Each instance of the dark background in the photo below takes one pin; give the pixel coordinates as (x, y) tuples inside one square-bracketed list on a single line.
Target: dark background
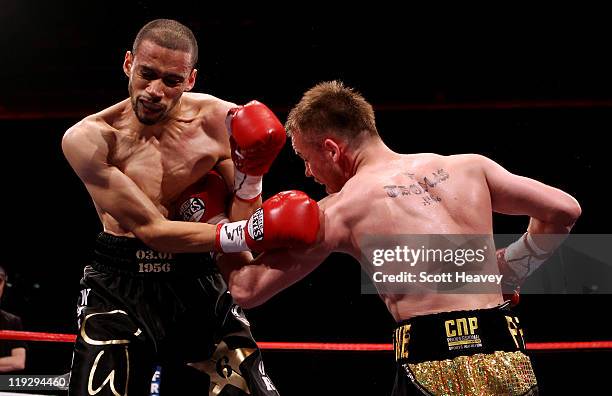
[(532, 90)]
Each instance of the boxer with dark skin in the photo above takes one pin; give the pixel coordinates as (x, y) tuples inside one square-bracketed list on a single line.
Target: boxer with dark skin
[(147, 297)]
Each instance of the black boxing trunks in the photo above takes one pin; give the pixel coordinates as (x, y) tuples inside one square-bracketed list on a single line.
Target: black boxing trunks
[(139, 308), (479, 352)]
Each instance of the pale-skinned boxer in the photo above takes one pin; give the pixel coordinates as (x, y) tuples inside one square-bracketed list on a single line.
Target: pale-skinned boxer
[(376, 191)]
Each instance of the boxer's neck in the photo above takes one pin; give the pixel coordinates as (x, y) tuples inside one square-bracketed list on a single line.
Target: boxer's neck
[(158, 129), (371, 152)]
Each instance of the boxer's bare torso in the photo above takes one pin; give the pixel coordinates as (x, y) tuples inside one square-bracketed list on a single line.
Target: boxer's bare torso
[(161, 160), (412, 194)]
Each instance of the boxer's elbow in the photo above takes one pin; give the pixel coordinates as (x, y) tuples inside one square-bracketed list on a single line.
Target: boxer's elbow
[(242, 301), (20, 364), (568, 212), (152, 235), (15, 362), (246, 296), (243, 297)]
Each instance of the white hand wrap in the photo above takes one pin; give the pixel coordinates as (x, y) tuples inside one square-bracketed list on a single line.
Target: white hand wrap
[(247, 187), (232, 237), (523, 257)]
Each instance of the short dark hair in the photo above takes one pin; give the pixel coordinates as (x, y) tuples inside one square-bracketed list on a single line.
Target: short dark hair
[(170, 34), (331, 107)]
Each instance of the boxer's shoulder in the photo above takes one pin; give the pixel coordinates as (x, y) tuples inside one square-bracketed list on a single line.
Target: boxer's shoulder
[(94, 128), (423, 164), (89, 141), (469, 164), (206, 106), (360, 189), (341, 208), (335, 233), (468, 159), (208, 110)]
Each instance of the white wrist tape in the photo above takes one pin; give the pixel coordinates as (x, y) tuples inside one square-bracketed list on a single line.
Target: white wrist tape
[(523, 257), (247, 187), (534, 247), (232, 237)]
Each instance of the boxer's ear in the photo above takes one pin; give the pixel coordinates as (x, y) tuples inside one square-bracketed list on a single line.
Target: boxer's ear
[(332, 149), (191, 80), (127, 63)]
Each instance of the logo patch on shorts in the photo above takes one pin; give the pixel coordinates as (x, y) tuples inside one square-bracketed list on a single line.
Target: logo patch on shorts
[(462, 333), (192, 210), (256, 225)]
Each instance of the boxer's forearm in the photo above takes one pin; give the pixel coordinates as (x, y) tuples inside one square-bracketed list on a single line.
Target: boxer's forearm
[(524, 256), (557, 219), (244, 280), (178, 236), (252, 282), (242, 210), (548, 236), (12, 363), (253, 285), (257, 281)]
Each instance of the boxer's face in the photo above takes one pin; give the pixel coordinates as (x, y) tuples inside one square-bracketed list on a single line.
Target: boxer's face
[(158, 78), (320, 163)]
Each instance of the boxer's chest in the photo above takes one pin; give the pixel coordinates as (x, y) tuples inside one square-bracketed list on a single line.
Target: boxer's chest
[(164, 166)]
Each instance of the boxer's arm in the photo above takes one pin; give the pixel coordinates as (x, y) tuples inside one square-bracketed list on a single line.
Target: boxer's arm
[(551, 210), (238, 209), (87, 149), (552, 215), (256, 138), (14, 362), (254, 281)]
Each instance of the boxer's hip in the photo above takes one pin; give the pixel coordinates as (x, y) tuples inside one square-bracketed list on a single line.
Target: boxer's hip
[(163, 293), (131, 257), (465, 352)]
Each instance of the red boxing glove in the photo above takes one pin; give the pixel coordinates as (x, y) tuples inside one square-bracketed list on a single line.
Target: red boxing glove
[(204, 201), (289, 219), (256, 138)]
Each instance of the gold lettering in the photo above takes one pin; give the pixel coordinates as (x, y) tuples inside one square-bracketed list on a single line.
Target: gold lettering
[(110, 378), (396, 340), (520, 329), (405, 341), (449, 332), (462, 326), (402, 339), (91, 341), (512, 327), (473, 321)]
